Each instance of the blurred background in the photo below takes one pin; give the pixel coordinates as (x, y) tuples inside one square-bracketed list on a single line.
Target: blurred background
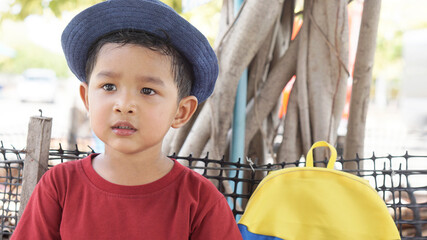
[(34, 75)]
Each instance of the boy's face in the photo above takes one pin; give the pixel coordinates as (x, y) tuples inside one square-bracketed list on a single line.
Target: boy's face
[(132, 98)]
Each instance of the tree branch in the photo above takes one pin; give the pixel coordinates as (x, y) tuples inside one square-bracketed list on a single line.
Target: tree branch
[(268, 96), (239, 47)]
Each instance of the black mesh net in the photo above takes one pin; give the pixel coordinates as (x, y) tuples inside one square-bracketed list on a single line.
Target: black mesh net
[(11, 166), (400, 180)]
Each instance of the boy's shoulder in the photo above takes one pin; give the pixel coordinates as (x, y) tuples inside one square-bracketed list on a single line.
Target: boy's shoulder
[(65, 171), (198, 185), (71, 164), (196, 177)]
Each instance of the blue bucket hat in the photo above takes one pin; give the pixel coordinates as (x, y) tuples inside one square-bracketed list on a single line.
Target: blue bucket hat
[(151, 16)]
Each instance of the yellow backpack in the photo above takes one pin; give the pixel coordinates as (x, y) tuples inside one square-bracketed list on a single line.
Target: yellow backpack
[(316, 203)]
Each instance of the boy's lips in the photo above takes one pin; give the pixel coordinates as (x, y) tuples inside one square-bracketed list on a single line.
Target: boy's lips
[(123, 128)]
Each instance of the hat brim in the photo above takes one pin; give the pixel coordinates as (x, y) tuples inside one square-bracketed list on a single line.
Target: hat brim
[(147, 15)]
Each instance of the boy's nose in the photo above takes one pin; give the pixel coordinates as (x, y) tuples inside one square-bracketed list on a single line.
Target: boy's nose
[(126, 108)]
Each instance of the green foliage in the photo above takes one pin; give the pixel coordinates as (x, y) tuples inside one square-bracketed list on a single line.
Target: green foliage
[(29, 55), (389, 49), (28, 7), (206, 19), (388, 61), (175, 4), (58, 6)]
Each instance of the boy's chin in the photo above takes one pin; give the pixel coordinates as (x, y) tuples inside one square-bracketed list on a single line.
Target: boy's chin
[(128, 149)]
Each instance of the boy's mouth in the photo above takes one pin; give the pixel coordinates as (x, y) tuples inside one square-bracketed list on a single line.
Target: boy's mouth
[(123, 128)]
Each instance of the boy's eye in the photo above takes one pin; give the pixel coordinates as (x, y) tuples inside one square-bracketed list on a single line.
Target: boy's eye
[(147, 91), (109, 87)]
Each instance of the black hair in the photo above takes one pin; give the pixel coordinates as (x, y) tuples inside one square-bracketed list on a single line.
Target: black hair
[(181, 69)]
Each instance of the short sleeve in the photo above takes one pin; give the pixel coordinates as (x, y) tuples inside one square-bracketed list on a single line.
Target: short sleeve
[(217, 223), (41, 218)]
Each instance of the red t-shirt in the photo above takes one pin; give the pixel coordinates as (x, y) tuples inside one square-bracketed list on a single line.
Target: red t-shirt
[(72, 201)]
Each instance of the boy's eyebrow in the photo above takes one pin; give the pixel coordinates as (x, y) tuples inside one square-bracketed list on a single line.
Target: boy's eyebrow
[(149, 79), (107, 74), (153, 80)]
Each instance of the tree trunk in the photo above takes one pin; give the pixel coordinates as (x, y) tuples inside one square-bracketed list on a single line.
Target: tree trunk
[(260, 65), (321, 73), (285, 26), (301, 80), (268, 95), (260, 38), (226, 20), (175, 138), (234, 52), (291, 147), (200, 131), (362, 82)]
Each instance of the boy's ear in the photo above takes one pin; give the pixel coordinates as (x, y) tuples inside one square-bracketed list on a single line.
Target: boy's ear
[(84, 94), (186, 108)]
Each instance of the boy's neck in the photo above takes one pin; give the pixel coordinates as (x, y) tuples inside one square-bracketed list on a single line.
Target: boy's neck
[(131, 170)]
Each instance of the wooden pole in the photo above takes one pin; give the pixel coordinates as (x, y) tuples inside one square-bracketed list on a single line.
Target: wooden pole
[(36, 157)]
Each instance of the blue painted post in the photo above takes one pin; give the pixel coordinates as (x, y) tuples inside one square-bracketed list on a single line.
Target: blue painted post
[(239, 120), (237, 148)]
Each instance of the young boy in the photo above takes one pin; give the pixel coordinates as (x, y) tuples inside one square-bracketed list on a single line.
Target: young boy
[(143, 69)]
